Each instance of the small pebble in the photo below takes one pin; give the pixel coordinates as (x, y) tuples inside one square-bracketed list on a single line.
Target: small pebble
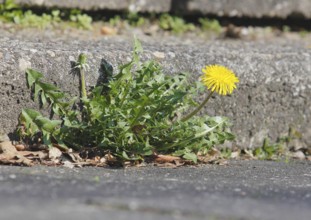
[(12, 176), (159, 55)]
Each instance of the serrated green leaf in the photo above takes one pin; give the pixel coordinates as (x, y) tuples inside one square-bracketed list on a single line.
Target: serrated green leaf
[(179, 153), (137, 49), (47, 139), (258, 151), (147, 151), (30, 114), (28, 117), (35, 122), (43, 100), (190, 156), (33, 76), (125, 156), (47, 86), (37, 90), (46, 124)]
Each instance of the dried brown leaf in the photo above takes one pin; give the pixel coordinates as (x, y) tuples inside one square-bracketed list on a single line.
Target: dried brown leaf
[(142, 164), (127, 164), (9, 155), (68, 164), (34, 154), (214, 152), (179, 163), (8, 149), (50, 163), (207, 158), (73, 156), (54, 153), (90, 162), (110, 158), (103, 160), (106, 30), (247, 154), (235, 155), (20, 147), (221, 162), (166, 158), (166, 165), (299, 155)]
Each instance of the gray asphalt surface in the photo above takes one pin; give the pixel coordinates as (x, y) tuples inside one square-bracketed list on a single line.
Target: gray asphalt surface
[(241, 190)]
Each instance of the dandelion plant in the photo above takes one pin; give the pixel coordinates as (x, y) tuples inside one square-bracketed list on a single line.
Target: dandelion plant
[(133, 113)]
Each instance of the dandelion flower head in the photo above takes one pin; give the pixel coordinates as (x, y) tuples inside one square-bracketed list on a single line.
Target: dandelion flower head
[(219, 79)]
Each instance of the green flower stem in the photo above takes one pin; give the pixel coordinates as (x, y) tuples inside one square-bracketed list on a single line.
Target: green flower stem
[(83, 86), (187, 117), (82, 65)]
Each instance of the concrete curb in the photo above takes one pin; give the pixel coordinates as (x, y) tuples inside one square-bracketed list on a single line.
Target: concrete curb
[(273, 94), (231, 8)]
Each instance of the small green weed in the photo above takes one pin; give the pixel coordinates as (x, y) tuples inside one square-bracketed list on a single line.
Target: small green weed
[(303, 33), (132, 114), (269, 151), (11, 12), (80, 20), (167, 22), (175, 24), (210, 25), (115, 21), (28, 19), (286, 29), (279, 148), (134, 19)]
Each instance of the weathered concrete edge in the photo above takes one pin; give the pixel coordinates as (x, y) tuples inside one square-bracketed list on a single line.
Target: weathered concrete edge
[(231, 8), (273, 94)]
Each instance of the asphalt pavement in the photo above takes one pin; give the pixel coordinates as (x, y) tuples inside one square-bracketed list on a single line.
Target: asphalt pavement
[(240, 190)]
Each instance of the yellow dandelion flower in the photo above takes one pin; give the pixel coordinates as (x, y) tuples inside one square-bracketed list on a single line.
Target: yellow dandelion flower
[(219, 79)]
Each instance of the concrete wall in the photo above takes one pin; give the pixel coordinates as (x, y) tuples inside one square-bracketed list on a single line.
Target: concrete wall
[(232, 8)]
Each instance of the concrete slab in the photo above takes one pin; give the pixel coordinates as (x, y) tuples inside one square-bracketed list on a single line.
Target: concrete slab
[(231, 8), (158, 6), (273, 94), (248, 8)]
